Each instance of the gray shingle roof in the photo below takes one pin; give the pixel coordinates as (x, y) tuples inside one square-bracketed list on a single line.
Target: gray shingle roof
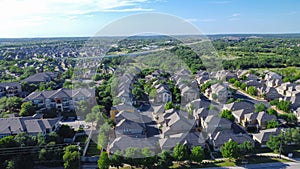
[(60, 93), (222, 137), (40, 77), (264, 135), (124, 142), (30, 125), (247, 106)]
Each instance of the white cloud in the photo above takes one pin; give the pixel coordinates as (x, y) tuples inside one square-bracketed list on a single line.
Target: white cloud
[(23, 8), (19, 14), (220, 2), (200, 20), (234, 17)]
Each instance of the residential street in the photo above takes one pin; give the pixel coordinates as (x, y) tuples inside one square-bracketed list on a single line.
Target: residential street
[(289, 165), (245, 96)]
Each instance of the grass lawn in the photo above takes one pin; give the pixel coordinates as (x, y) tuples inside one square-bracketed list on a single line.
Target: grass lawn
[(92, 149), (259, 159)]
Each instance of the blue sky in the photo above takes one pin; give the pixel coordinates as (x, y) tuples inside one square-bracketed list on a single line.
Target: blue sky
[(60, 18)]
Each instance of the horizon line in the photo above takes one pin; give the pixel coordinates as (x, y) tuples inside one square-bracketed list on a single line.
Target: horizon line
[(204, 34)]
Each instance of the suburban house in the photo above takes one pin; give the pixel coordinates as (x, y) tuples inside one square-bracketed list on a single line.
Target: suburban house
[(264, 135), (288, 89), (225, 75), (30, 125), (177, 122), (130, 128), (41, 77), (214, 124), (295, 101), (122, 106), (221, 137), (124, 142), (10, 89), (239, 109), (163, 95), (124, 88), (259, 120), (272, 76), (218, 92), (61, 99), (158, 110), (269, 93), (190, 139), (202, 77), (273, 82), (189, 94), (202, 113), (194, 105), (297, 113)]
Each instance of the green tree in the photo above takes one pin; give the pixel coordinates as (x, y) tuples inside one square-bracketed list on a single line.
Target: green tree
[(82, 108), (205, 86), (164, 159), (284, 105), (291, 118), (10, 104), (169, 105), (197, 154), (27, 109), (292, 135), (214, 96), (274, 143), (237, 84), (103, 136), (104, 161), (259, 107), (232, 80), (153, 93), (243, 86), (7, 142), (246, 147), (71, 157), (50, 153), (227, 114), (148, 158), (96, 115), (117, 159), (180, 152), (132, 156), (252, 90), (230, 150), (274, 102), (272, 124), (66, 131), (11, 164), (24, 139), (272, 112)]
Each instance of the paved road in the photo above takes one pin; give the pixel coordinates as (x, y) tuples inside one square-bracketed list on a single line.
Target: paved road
[(246, 97), (289, 165)]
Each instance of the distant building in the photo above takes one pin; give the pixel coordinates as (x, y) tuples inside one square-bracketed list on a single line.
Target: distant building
[(30, 125), (61, 99), (41, 77), (10, 89)]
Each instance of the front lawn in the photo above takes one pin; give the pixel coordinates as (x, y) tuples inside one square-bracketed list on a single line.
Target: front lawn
[(92, 149)]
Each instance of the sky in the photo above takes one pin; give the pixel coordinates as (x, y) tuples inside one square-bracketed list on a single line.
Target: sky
[(67, 18)]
